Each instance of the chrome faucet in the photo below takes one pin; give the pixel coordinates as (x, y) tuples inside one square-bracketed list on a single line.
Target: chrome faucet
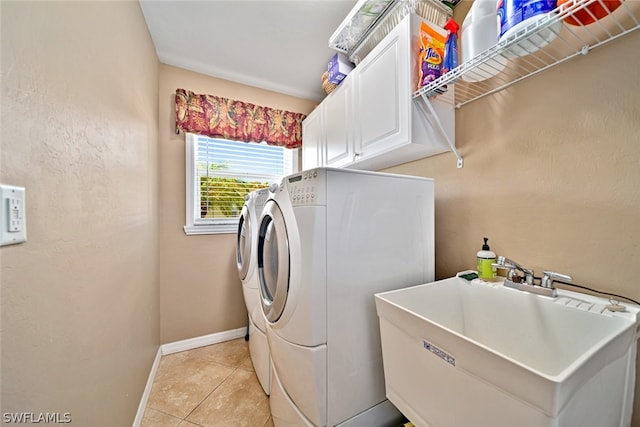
[(513, 266), (514, 280)]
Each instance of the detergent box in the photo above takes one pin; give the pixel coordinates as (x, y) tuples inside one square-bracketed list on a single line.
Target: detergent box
[(339, 66)]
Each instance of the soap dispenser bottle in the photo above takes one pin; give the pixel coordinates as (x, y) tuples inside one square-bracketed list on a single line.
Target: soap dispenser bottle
[(485, 260)]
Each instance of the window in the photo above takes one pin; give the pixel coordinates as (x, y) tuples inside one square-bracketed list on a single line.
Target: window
[(219, 175)]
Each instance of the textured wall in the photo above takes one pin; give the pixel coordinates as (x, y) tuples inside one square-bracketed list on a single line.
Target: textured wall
[(551, 174), (80, 321), (200, 292)]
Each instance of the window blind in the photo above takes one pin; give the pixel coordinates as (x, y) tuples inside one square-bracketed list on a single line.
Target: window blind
[(226, 171)]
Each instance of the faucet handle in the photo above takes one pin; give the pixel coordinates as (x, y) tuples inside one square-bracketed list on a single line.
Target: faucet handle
[(512, 266), (550, 276)]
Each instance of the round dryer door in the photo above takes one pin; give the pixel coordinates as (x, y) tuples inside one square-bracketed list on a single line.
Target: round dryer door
[(243, 243), (273, 262)]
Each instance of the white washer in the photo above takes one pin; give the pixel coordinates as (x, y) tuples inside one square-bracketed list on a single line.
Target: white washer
[(329, 239), (246, 260)]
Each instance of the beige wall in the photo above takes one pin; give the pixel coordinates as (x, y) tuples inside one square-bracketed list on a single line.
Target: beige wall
[(551, 175), (80, 321), (200, 292)]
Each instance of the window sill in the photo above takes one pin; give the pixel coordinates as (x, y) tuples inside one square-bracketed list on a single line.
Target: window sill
[(210, 229)]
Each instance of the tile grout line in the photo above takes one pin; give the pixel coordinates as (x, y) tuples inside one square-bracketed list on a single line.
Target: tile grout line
[(209, 394), (165, 413)]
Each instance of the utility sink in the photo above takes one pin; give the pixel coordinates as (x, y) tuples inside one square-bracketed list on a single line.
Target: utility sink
[(477, 354)]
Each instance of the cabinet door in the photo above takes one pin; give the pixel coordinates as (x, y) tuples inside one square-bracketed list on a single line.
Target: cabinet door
[(337, 126), (383, 95), (312, 140)]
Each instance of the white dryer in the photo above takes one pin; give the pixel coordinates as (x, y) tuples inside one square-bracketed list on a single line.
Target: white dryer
[(246, 260), (329, 239)]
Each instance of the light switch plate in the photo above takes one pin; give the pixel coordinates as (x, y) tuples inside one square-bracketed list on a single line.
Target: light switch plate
[(13, 224)]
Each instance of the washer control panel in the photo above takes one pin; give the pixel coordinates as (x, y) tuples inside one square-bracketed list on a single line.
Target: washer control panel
[(307, 188)]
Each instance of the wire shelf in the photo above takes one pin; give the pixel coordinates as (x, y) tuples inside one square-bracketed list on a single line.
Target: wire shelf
[(360, 20), (356, 40), (570, 41)]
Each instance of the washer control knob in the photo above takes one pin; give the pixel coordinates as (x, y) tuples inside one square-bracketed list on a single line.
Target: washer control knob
[(273, 187)]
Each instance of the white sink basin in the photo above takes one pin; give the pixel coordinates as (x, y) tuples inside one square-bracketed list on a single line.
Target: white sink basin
[(461, 354)]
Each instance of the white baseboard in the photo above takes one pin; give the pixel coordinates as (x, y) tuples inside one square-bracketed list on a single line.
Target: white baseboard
[(191, 343), (147, 389), (175, 347)]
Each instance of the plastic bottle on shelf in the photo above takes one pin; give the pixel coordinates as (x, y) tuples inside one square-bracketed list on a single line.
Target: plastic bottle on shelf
[(450, 60), (479, 33), (485, 260), (515, 15)]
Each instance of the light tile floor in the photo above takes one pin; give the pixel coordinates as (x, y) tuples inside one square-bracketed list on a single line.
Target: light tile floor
[(213, 386)]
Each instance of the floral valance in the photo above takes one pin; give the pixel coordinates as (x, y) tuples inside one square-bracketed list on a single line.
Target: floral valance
[(218, 117)]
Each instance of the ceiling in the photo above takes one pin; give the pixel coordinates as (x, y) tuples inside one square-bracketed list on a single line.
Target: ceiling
[(276, 45)]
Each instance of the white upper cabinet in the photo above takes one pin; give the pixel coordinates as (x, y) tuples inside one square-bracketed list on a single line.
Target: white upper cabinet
[(313, 140), (327, 132), (370, 121), (337, 111), (382, 96)]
